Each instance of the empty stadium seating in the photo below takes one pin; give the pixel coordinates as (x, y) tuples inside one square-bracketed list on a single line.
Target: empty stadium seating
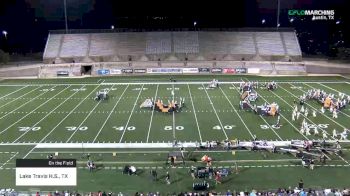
[(269, 43), (74, 45), (53, 46), (172, 46), (158, 43), (103, 44), (185, 42), (291, 43)]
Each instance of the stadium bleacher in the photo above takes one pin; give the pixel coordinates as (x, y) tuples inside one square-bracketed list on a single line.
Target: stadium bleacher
[(172, 46), (53, 46), (269, 44), (158, 43), (74, 45), (103, 44), (185, 42)]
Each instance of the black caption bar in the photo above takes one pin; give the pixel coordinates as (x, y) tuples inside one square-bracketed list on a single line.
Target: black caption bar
[(46, 163)]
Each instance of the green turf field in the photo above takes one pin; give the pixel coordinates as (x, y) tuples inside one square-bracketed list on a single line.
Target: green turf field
[(64, 111)]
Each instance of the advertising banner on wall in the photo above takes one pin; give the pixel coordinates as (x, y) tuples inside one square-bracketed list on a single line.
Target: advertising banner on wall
[(190, 70), (103, 72), (241, 70), (116, 71), (163, 70), (127, 71), (228, 71), (204, 70), (216, 70), (62, 73), (253, 70), (139, 70)]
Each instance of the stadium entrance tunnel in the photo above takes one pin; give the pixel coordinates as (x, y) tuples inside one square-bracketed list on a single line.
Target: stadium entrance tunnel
[(86, 70)]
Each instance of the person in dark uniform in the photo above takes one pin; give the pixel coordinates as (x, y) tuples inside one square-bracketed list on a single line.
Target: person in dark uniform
[(172, 161), (154, 174), (301, 184)]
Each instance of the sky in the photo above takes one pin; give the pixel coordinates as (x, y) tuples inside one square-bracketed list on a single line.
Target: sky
[(27, 22)]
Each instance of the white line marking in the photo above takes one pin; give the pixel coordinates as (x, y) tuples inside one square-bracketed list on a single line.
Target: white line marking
[(13, 92), (67, 115), (110, 113), (32, 111), (315, 108), (195, 114), (305, 117), (174, 136), (13, 156), (239, 116), (140, 83), (154, 105), (86, 117), (217, 116), (19, 98), (127, 123), (333, 90), (47, 115), (287, 119)]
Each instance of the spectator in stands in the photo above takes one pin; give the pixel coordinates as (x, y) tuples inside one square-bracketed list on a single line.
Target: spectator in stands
[(37, 194)]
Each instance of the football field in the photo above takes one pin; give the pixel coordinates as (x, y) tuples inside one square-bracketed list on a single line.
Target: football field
[(64, 111)]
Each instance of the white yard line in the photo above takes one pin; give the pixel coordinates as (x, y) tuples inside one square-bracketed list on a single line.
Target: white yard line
[(13, 156), (32, 111), (328, 88), (61, 121), (343, 159), (110, 113), (86, 117), (47, 115), (13, 92), (195, 114), (332, 90), (20, 97), (301, 114), (132, 111), (313, 107), (154, 105), (155, 83), (308, 120), (239, 116), (285, 117), (217, 116), (174, 135)]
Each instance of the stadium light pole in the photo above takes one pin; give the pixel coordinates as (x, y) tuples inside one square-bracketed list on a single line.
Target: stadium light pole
[(65, 14), (278, 14), (5, 34)]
